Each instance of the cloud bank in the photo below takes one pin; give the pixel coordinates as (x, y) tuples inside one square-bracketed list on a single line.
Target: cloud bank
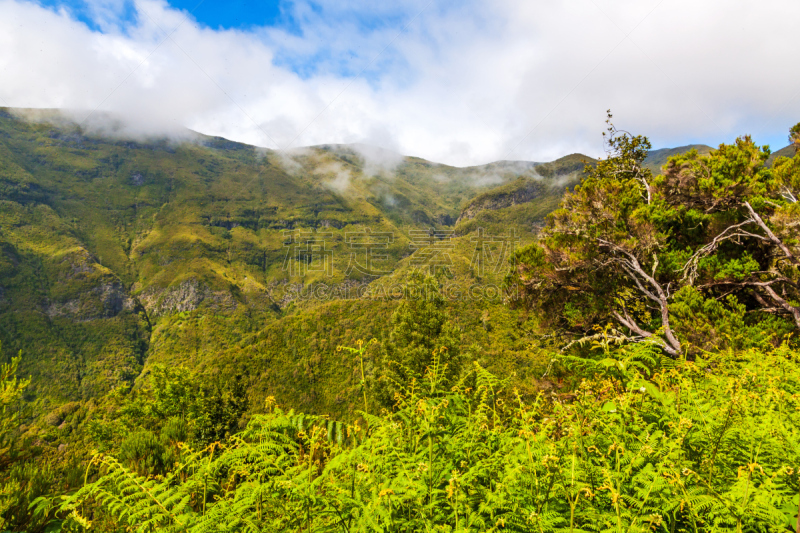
[(460, 83)]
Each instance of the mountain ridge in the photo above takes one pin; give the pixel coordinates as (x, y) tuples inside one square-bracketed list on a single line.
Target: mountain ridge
[(114, 251), (120, 254)]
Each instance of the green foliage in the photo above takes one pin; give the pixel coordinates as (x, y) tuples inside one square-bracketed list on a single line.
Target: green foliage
[(639, 445), (178, 406), (11, 389), (656, 159), (420, 332), (698, 258), (794, 136), (125, 264), (144, 452), (118, 255)]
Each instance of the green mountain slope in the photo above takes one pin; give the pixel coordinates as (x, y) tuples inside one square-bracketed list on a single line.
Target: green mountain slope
[(658, 158), (524, 202), (786, 151), (117, 254)]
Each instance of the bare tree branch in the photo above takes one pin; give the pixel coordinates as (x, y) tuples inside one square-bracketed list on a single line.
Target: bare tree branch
[(795, 311), (771, 235), (787, 195), (762, 301), (731, 232), (771, 310), (748, 283), (630, 271), (631, 324), (637, 273)]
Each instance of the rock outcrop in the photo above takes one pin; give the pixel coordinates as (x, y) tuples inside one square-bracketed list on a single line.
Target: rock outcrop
[(518, 192), (186, 296)]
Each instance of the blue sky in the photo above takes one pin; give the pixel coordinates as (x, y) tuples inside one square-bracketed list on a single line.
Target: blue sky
[(462, 82), (286, 17), (236, 13), (212, 13)]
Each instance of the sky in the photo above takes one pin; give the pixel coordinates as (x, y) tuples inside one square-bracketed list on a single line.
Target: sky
[(459, 82)]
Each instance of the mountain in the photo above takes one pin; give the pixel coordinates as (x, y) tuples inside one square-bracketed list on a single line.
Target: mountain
[(117, 254), (658, 158), (786, 151), (537, 193)]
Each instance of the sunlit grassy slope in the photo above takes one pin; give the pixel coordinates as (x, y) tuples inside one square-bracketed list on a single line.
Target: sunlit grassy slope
[(116, 254)]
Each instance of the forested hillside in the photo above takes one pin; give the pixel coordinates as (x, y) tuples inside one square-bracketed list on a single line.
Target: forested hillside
[(200, 335), (118, 253)]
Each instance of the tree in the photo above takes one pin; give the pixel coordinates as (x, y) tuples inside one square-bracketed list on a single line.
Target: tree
[(747, 242), (11, 389), (202, 408), (421, 335), (794, 136), (712, 235), (221, 406)]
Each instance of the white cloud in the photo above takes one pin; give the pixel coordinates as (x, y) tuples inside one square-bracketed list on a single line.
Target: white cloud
[(461, 84), (338, 177)]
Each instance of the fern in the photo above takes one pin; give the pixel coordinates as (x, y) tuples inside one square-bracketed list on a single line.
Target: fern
[(705, 446)]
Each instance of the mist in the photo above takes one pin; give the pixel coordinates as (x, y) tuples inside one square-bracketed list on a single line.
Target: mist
[(461, 84)]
